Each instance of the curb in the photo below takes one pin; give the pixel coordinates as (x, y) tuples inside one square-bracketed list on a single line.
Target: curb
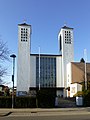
[(5, 114), (49, 110)]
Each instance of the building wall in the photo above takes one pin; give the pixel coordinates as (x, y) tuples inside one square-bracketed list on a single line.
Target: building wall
[(47, 71), (32, 71), (69, 74), (67, 50), (74, 88), (74, 76), (59, 80), (23, 62), (46, 63), (77, 74)]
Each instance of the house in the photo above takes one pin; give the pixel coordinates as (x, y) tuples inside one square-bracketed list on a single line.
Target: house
[(76, 76)]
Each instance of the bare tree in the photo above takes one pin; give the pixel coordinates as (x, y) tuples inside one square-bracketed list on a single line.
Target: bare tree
[(4, 52), (4, 56)]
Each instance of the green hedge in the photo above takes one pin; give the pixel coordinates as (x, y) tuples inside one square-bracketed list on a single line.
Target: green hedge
[(19, 102), (87, 98), (45, 99), (25, 102), (5, 102)]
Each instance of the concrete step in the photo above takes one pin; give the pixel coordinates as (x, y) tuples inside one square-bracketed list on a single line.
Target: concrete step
[(65, 103)]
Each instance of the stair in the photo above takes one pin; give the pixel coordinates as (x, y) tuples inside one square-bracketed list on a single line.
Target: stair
[(66, 102)]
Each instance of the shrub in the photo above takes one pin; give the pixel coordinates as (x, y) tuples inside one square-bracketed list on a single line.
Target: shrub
[(86, 96), (79, 93), (5, 102), (46, 99), (25, 102), (19, 102)]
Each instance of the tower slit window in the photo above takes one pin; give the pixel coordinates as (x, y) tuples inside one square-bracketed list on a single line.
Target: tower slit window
[(68, 37), (24, 34)]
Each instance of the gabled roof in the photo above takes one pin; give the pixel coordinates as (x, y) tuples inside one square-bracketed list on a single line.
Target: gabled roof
[(81, 66)]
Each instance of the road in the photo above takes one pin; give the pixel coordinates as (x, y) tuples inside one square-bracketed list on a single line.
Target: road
[(61, 117), (49, 116)]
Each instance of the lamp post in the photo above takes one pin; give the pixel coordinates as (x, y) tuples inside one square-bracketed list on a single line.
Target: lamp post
[(13, 56)]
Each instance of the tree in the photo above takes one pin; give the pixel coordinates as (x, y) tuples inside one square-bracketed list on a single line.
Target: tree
[(82, 60), (4, 56)]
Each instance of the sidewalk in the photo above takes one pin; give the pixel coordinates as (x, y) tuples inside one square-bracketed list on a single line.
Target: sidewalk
[(6, 111)]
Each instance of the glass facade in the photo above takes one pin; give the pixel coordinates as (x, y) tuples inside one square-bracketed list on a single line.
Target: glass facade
[(47, 71)]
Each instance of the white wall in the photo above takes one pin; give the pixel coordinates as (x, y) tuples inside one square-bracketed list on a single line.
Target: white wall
[(74, 88), (23, 63), (69, 74), (59, 80), (32, 71), (67, 53)]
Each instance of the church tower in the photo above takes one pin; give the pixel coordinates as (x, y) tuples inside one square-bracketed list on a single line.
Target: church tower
[(66, 48), (23, 63)]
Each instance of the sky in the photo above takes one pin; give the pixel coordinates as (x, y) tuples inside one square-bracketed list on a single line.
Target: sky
[(46, 18)]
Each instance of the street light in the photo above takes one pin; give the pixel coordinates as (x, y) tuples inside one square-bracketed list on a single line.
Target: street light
[(13, 56)]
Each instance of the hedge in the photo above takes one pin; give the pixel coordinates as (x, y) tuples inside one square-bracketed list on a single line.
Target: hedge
[(5, 102), (86, 97), (43, 100), (19, 102), (25, 102)]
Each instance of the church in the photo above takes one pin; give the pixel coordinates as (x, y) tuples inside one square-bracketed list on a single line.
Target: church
[(43, 71)]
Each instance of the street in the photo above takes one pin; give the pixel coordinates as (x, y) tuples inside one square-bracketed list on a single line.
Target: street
[(60, 117), (70, 115)]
